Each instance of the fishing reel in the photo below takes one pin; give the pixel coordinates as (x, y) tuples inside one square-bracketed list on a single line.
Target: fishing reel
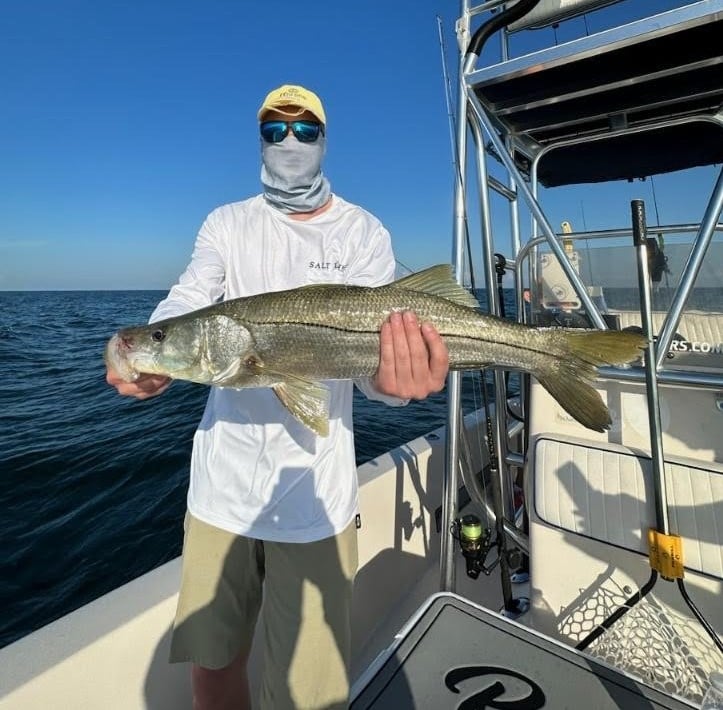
[(475, 543)]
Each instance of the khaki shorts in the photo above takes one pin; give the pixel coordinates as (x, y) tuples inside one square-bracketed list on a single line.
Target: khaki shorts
[(306, 612)]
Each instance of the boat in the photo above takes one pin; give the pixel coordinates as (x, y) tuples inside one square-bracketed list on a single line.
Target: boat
[(514, 558)]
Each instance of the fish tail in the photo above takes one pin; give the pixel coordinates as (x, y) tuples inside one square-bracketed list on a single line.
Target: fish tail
[(569, 377)]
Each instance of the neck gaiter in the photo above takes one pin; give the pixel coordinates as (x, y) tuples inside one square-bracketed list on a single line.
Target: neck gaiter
[(291, 174)]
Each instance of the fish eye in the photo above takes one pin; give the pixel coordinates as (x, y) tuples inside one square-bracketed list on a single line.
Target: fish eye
[(158, 335)]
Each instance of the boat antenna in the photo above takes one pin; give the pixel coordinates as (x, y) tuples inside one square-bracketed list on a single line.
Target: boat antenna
[(452, 132), (447, 91)]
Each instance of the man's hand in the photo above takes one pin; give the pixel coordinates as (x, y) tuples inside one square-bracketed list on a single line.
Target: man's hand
[(413, 360), (144, 387)]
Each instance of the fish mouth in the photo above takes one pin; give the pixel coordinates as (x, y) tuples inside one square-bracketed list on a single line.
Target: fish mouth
[(117, 353)]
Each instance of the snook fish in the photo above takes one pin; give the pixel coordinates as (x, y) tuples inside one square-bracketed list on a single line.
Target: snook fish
[(291, 340)]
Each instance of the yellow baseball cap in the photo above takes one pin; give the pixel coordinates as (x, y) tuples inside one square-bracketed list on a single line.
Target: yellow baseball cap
[(296, 98)]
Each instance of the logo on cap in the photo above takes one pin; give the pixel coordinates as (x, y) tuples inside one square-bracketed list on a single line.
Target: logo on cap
[(290, 95)]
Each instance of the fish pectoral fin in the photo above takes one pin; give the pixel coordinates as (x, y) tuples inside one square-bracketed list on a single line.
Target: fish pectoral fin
[(308, 401), (438, 281), (228, 373)]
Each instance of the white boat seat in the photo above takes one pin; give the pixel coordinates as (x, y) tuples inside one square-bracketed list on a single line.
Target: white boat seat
[(604, 492)]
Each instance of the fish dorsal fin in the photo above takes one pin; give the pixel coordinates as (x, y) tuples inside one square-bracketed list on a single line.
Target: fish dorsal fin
[(438, 281)]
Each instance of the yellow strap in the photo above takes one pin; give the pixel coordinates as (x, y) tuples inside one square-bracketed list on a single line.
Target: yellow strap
[(666, 554)]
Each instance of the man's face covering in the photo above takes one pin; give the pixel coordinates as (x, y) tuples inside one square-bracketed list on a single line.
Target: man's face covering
[(291, 174)]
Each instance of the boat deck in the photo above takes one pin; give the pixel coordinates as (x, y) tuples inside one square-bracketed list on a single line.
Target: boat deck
[(454, 649)]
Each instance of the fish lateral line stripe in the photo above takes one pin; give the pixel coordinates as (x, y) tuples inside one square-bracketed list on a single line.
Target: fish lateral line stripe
[(364, 331), (323, 326)]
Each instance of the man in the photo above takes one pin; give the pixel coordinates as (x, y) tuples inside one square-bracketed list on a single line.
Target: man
[(270, 505)]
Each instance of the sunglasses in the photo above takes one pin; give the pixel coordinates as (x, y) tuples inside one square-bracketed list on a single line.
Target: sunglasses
[(305, 131)]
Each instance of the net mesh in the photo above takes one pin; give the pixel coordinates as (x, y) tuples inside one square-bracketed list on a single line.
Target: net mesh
[(664, 648)]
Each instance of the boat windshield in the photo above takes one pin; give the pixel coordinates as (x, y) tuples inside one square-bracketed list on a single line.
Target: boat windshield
[(607, 264)]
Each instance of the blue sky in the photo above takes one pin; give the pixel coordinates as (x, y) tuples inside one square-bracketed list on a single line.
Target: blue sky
[(124, 123)]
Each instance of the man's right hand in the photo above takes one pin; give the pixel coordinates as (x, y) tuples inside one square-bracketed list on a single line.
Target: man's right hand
[(144, 387)]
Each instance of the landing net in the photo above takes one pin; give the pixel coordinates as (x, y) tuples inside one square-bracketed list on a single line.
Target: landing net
[(652, 641)]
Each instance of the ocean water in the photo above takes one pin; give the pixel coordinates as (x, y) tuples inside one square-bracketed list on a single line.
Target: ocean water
[(93, 485)]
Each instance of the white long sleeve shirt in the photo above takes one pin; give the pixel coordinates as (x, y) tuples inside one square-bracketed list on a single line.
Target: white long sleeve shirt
[(255, 470)]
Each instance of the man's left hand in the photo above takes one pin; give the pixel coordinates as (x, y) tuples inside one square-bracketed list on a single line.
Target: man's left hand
[(413, 359)]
